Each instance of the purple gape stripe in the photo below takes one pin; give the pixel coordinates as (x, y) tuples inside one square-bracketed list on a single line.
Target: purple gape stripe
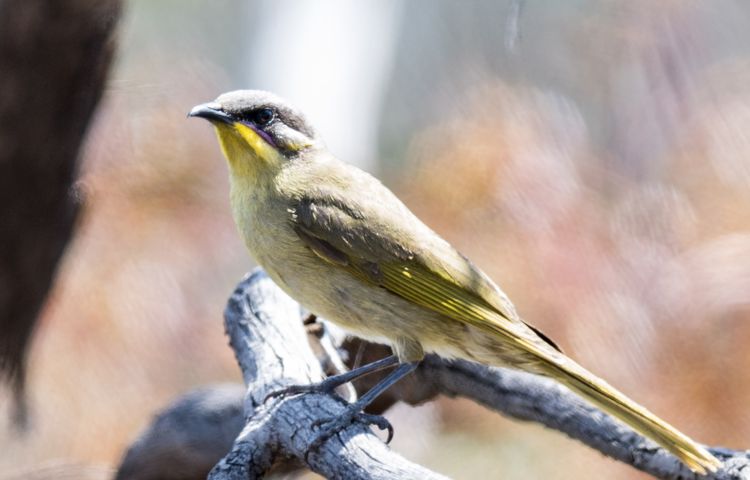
[(262, 134)]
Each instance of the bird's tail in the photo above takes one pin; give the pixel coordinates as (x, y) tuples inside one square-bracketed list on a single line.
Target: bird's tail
[(610, 400)]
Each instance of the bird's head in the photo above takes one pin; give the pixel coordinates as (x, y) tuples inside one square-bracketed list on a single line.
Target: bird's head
[(257, 130)]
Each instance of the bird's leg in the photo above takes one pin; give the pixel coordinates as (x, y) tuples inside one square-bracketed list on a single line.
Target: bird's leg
[(335, 365), (354, 410), (330, 383)]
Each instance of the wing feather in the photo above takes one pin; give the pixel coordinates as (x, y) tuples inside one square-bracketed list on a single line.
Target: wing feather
[(415, 265)]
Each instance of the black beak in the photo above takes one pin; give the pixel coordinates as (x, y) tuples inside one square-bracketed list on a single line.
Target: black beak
[(211, 112)]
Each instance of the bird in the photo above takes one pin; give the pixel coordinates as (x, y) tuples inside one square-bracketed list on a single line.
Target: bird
[(338, 241)]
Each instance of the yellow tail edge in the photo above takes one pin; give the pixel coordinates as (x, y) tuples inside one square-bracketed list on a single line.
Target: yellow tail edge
[(609, 399)]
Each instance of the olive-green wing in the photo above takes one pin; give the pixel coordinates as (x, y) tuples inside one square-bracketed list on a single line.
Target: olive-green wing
[(409, 260)]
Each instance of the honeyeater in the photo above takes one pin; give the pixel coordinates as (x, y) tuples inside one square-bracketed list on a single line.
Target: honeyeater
[(345, 247)]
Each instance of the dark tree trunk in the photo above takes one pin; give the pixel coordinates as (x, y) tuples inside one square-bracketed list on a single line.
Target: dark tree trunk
[(54, 59)]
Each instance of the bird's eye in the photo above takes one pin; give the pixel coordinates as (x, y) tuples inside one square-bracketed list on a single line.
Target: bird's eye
[(262, 116)]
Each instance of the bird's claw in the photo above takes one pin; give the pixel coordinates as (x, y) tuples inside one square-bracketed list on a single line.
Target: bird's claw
[(329, 428), (379, 421)]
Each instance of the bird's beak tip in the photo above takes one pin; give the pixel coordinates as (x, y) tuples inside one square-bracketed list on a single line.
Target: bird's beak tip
[(210, 111)]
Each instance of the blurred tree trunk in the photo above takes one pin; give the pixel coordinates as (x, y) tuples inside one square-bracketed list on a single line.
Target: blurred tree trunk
[(54, 59)]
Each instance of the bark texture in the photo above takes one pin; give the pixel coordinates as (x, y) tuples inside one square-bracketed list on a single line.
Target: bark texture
[(272, 350)]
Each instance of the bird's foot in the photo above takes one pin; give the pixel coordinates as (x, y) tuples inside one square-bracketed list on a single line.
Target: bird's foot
[(353, 413)]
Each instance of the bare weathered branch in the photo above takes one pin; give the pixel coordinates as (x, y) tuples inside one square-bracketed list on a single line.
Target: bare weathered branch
[(273, 352), (187, 439), (529, 397), (265, 331)]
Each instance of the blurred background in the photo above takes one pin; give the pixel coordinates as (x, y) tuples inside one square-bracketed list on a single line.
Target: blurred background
[(593, 157)]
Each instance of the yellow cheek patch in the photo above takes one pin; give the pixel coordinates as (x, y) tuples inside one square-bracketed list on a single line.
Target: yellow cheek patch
[(262, 149), (296, 144)]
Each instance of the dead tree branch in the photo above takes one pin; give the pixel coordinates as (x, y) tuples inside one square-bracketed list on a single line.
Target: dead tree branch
[(264, 329), (273, 352)]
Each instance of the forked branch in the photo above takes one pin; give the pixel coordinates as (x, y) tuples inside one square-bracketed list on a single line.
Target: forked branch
[(273, 351)]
